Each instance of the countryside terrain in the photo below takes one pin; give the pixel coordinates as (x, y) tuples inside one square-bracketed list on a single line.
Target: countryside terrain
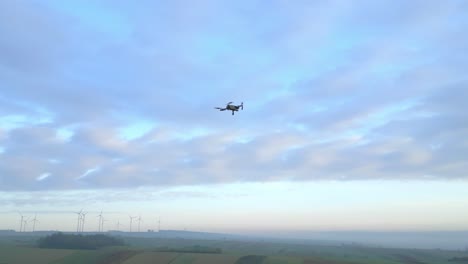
[(149, 250)]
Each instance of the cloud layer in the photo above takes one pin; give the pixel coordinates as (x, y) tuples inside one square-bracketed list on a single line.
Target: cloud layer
[(117, 95)]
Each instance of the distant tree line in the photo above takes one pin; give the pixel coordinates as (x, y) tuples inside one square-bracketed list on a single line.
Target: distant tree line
[(72, 241), (459, 259)]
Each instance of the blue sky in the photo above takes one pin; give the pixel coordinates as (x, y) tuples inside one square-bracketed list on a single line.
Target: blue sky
[(354, 119)]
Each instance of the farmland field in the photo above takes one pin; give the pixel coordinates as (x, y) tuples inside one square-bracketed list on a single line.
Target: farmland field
[(105, 255), (152, 257), (147, 251), (181, 258), (20, 254), (206, 259)]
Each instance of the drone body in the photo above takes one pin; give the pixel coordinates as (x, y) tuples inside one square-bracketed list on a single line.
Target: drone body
[(231, 107)]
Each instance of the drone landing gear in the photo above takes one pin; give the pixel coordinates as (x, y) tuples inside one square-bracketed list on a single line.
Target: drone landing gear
[(232, 112)]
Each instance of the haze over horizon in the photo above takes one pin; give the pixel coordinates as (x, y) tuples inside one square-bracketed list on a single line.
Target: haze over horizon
[(355, 114)]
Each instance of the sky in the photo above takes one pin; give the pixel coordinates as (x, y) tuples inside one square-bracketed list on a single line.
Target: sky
[(355, 114)]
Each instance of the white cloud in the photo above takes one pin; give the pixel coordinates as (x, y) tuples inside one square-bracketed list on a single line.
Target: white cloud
[(43, 176)]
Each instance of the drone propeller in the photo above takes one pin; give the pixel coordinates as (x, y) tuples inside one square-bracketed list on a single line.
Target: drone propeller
[(229, 103), (242, 105)]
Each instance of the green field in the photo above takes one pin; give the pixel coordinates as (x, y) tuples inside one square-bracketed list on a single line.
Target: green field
[(148, 251), (20, 254)]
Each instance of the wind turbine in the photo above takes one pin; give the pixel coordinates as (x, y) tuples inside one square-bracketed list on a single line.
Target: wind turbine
[(79, 220), (83, 216), (100, 221), (24, 225), (21, 222), (139, 221), (131, 221), (34, 222), (120, 226)]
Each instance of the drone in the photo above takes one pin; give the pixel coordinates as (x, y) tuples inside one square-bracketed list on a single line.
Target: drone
[(231, 107)]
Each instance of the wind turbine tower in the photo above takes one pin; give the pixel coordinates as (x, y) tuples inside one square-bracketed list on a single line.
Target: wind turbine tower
[(34, 222), (100, 221), (21, 222), (25, 222), (131, 221), (139, 221), (78, 224), (83, 216)]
